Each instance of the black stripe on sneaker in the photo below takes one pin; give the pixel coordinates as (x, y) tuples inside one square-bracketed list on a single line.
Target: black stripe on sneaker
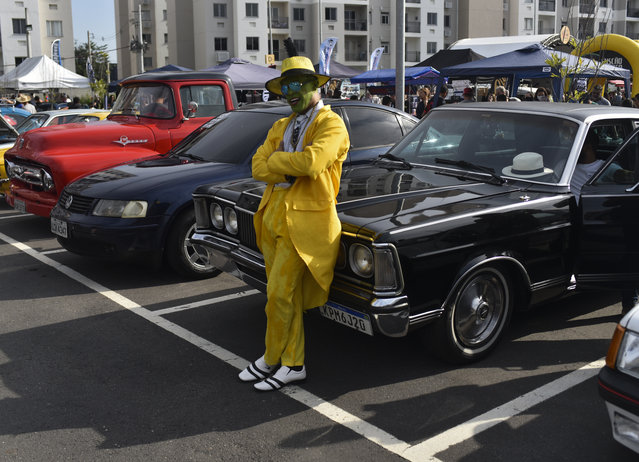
[(256, 371), (278, 382)]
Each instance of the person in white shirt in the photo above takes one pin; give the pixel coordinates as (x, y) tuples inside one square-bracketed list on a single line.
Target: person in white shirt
[(26, 103), (588, 165)]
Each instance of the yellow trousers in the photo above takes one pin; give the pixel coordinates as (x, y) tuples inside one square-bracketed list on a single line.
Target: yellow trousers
[(284, 272)]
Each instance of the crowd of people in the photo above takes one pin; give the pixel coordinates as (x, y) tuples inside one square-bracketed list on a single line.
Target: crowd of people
[(34, 103)]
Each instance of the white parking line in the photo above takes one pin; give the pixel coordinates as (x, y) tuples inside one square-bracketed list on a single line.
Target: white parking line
[(210, 301), (5, 217), (421, 452), (49, 252)]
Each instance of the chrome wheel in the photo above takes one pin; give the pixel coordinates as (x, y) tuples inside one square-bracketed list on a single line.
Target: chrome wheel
[(196, 255)]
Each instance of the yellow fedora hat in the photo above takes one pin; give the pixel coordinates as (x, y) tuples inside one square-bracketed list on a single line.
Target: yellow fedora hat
[(295, 65)]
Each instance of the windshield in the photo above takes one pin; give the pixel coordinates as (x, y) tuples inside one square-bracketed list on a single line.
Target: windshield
[(151, 100), (456, 139), (231, 138), (31, 122)]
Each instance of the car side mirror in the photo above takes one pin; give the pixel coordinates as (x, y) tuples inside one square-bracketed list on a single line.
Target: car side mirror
[(192, 109)]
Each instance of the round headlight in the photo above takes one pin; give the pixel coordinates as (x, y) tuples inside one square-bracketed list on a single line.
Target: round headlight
[(217, 216), (361, 260), (230, 220)]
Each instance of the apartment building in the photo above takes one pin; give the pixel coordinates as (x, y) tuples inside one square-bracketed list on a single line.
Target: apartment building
[(202, 33), (28, 28), (142, 38)]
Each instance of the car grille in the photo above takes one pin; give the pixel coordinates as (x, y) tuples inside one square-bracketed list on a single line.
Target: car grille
[(79, 204), (246, 228)]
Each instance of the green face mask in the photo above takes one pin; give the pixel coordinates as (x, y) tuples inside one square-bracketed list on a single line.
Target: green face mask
[(299, 91)]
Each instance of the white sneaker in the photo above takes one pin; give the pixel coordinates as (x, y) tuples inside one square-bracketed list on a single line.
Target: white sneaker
[(257, 370), (283, 376)]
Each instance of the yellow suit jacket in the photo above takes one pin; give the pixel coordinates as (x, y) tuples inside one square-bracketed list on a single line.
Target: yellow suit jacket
[(311, 216)]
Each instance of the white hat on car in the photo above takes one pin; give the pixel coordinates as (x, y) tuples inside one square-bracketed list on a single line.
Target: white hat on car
[(527, 165)]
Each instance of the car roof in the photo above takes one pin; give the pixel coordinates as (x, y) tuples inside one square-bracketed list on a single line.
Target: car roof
[(280, 106), (175, 75), (580, 112)]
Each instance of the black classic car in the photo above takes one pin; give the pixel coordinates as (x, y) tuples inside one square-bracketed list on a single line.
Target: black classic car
[(466, 219), (143, 210)]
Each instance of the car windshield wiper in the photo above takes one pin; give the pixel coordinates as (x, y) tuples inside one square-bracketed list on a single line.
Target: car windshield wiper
[(388, 156), (190, 156), (470, 166)]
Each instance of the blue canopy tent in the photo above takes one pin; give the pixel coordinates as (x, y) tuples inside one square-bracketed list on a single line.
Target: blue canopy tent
[(412, 75), (244, 74), (530, 63)]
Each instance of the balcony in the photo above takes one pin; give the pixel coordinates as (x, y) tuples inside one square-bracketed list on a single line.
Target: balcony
[(279, 23), (413, 56), (547, 5), (356, 56), (413, 27), (586, 7), (355, 24)]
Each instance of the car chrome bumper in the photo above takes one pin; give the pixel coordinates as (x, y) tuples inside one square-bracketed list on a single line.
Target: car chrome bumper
[(390, 315)]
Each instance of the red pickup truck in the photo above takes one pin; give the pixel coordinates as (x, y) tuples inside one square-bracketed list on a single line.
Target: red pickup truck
[(152, 113)]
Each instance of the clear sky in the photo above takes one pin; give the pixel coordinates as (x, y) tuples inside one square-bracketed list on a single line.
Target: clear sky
[(97, 17)]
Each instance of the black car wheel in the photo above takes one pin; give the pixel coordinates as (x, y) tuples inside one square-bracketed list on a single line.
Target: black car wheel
[(476, 318), (185, 257)]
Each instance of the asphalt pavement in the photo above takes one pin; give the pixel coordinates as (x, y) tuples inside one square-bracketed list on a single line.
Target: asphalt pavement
[(113, 361)]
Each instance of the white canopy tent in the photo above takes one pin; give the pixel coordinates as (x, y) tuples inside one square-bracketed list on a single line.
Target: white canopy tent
[(40, 73)]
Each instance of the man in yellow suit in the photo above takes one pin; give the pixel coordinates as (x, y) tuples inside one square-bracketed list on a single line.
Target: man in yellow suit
[(296, 224)]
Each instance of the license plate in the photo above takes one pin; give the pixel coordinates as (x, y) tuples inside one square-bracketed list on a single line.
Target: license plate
[(59, 227), (20, 205), (346, 316)]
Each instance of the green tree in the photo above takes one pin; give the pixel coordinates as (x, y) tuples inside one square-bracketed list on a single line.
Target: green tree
[(99, 59)]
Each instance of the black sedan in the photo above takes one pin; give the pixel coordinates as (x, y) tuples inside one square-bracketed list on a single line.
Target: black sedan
[(466, 219), (144, 210)]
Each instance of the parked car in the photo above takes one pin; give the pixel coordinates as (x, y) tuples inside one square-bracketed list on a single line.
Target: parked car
[(619, 381), (466, 219), (44, 119), (153, 112), (8, 135), (14, 115), (95, 217)]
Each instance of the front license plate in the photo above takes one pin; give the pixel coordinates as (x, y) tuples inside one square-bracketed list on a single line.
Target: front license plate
[(20, 205), (350, 318), (59, 227)]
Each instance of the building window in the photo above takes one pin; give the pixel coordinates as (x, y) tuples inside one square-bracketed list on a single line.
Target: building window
[(148, 62), (298, 14), (300, 45), (53, 6), (386, 46), (165, 15), (330, 14), (19, 26), (54, 28), (146, 38), (166, 38), (220, 44), (431, 19), (602, 27), (528, 23), (447, 20), (18, 59), (431, 47), (564, 3), (219, 10), (385, 18), (603, 3), (252, 43), (251, 10)]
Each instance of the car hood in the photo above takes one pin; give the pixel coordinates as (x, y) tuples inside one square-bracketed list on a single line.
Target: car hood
[(376, 201), (78, 138), (150, 178)]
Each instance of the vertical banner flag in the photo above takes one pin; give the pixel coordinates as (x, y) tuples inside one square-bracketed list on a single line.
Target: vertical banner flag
[(56, 56), (90, 73), (375, 57), (326, 49)]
